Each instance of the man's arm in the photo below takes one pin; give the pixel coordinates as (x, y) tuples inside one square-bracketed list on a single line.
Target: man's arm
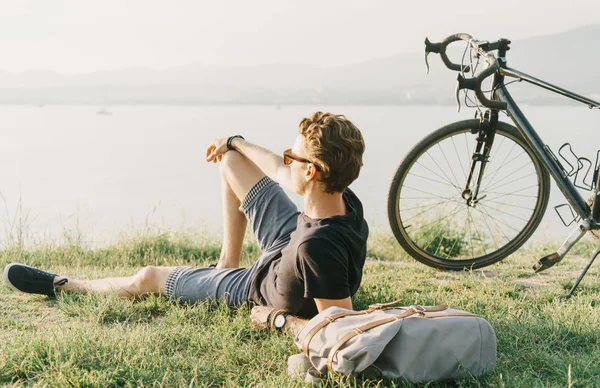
[(270, 163), (323, 304), (293, 325)]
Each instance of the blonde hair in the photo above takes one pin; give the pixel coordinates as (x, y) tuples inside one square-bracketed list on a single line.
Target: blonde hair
[(336, 146)]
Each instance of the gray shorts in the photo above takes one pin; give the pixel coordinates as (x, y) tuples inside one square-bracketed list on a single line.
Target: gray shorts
[(273, 217)]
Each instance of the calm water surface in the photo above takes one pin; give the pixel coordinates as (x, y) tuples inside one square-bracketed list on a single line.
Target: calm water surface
[(70, 169)]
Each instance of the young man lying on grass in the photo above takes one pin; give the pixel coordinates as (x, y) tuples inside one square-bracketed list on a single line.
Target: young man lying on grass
[(310, 260)]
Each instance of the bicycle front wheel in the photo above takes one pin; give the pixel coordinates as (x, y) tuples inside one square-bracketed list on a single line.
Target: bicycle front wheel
[(434, 223)]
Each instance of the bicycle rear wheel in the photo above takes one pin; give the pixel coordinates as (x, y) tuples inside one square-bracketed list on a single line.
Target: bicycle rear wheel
[(435, 225)]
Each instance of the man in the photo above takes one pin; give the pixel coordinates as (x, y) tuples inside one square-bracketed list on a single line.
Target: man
[(310, 260)]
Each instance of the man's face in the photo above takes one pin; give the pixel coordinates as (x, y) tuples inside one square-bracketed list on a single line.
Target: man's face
[(299, 168)]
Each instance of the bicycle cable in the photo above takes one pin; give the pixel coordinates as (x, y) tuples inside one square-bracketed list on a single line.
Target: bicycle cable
[(476, 105), (473, 69), (462, 61), (506, 84), (468, 99)]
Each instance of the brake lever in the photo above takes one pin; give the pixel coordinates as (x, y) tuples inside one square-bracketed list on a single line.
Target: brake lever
[(457, 90), (431, 48), (464, 83)]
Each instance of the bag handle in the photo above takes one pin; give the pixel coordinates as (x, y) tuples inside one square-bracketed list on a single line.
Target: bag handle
[(384, 306), (420, 310), (327, 320)]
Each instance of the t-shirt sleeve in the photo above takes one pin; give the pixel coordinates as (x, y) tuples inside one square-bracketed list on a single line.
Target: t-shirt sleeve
[(324, 270)]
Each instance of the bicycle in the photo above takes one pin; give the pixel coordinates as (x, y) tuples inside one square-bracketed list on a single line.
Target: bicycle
[(474, 191)]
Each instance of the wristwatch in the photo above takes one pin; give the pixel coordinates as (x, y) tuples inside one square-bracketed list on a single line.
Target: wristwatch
[(279, 318)]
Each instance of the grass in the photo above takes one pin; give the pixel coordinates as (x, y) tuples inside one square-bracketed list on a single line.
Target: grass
[(80, 340)]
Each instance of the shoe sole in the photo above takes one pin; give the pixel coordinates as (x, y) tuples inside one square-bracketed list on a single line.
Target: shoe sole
[(5, 276)]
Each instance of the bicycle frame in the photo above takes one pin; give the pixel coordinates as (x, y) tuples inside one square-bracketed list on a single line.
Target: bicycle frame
[(541, 150), (501, 100)]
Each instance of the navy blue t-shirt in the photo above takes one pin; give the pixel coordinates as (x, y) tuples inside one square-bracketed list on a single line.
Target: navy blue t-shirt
[(324, 260)]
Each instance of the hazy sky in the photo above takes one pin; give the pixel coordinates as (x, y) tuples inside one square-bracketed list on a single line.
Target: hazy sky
[(78, 36)]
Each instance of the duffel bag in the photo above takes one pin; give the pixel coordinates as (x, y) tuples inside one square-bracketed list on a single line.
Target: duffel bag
[(417, 343)]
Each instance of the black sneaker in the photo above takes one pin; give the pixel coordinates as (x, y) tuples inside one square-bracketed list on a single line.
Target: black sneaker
[(24, 278)]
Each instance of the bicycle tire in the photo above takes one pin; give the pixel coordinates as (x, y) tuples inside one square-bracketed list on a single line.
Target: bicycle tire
[(400, 227)]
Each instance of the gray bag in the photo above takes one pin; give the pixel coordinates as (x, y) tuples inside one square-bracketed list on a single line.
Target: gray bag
[(417, 343)]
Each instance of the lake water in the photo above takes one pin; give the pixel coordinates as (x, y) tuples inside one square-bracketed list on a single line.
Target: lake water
[(68, 169)]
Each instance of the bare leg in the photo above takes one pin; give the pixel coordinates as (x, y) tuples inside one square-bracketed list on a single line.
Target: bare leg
[(238, 176), (148, 281)]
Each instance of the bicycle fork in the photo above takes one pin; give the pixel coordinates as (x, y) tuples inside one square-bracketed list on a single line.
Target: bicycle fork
[(480, 158)]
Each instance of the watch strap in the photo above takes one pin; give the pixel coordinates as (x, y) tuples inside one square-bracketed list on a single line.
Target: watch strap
[(230, 139), (273, 315)]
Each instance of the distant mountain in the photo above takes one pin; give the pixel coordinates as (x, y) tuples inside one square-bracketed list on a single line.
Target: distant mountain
[(569, 59)]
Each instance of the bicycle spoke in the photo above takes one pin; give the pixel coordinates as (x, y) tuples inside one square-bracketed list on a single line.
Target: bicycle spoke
[(490, 182), (449, 166), (431, 180), (441, 236), (423, 191), (422, 206), (504, 164), (455, 241), (432, 240), (497, 227), (441, 219), (425, 167), (509, 176), (499, 220), (467, 144), (441, 242), (514, 193), (426, 210), (438, 166), (439, 227), (420, 198), (470, 218), (497, 148), (503, 212), (513, 181), (491, 234), (493, 174), (458, 158), (495, 223), (506, 204)]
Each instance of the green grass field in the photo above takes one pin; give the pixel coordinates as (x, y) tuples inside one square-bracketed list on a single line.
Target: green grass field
[(544, 340)]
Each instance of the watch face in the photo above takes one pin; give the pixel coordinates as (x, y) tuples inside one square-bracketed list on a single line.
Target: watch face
[(279, 321)]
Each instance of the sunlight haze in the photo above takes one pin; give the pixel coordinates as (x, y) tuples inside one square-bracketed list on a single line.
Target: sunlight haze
[(73, 37)]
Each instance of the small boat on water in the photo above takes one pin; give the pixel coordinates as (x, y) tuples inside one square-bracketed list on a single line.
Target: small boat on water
[(104, 111)]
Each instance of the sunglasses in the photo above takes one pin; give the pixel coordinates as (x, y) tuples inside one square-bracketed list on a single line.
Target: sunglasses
[(289, 157)]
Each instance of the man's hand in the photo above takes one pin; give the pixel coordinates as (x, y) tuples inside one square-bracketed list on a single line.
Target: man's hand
[(259, 316), (216, 149)]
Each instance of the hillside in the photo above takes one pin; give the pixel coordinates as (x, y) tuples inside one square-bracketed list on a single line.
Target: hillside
[(565, 59)]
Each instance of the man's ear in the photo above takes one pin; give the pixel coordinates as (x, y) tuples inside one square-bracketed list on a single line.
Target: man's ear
[(310, 172)]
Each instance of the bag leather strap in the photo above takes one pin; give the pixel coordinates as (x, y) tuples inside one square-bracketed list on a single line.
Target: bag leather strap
[(384, 306), (374, 307), (420, 310), (327, 320)]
